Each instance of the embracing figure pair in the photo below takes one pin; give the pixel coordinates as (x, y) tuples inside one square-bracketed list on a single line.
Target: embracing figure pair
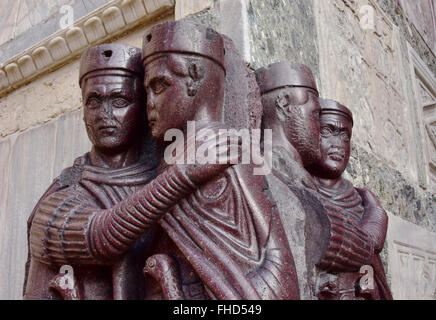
[(129, 225)]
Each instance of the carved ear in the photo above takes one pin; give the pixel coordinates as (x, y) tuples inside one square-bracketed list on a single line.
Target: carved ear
[(282, 103), (196, 73), (192, 88)]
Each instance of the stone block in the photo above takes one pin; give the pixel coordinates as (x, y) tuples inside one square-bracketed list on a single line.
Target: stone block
[(29, 173), (29, 161), (412, 260), (363, 69), (236, 25), (8, 16), (71, 140)]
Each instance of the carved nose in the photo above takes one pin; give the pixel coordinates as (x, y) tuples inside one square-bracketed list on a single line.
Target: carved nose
[(150, 103), (336, 141), (105, 111)]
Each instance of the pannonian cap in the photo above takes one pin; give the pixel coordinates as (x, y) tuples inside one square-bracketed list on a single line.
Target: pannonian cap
[(183, 37), (284, 74), (110, 57), (329, 106)]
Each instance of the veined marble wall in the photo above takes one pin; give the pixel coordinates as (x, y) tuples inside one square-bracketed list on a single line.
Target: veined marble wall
[(29, 162)]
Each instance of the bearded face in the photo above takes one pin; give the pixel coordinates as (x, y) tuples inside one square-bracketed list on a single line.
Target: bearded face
[(301, 123)]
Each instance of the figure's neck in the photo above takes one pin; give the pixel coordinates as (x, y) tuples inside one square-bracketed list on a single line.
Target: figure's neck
[(114, 160), (329, 183)]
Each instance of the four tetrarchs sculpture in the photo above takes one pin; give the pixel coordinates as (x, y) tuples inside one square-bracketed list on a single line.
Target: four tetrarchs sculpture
[(128, 224)]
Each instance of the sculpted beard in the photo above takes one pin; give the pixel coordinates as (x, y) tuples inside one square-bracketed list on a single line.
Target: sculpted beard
[(303, 140)]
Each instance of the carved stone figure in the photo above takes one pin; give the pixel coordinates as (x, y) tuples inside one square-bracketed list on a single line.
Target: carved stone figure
[(291, 111), (96, 217), (358, 223), (225, 240)]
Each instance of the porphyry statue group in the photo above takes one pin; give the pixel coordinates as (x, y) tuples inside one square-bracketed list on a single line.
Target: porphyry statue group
[(129, 225)]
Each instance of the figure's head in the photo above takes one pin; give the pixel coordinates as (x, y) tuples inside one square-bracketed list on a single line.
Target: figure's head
[(184, 73), (290, 97), (336, 124), (111, 79)]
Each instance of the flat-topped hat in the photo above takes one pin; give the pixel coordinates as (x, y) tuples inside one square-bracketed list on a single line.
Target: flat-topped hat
[(329, 106), (183, 37), (113, 58), (284, 74)]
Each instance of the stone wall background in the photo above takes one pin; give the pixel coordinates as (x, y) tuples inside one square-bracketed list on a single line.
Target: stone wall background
[(24, 23), (30, 161), (373, 72)]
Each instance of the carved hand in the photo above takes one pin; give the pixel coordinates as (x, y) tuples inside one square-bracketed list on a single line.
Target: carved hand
[(226, 145)]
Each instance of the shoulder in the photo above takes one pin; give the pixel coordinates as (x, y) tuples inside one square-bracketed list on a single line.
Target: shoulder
[(61, 203), (68, 177)]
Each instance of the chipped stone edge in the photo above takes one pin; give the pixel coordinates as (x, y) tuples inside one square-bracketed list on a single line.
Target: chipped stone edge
[(106, 22)]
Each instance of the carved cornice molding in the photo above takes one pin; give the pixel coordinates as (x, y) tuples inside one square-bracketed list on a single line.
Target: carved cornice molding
[(108, 21)]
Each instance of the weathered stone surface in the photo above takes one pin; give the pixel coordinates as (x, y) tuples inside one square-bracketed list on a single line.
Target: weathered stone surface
[(360, 68), (292, 215), (71, 140), (424, 98), (7, 20), (40, 101), (30, 156), (5, 147), (283, 30), (185, 8), (236, 25), (412, 260), (411, 34), (29, 162), (397, 194), (210, 17), (422, 14)]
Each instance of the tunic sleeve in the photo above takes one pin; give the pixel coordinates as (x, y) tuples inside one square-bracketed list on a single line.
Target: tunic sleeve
[(349, 248), (70, 228)]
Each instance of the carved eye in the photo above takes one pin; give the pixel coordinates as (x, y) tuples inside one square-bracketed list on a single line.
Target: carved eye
[(120, 102), (325, 132), (93, 103), (159, 86), (344, 136)]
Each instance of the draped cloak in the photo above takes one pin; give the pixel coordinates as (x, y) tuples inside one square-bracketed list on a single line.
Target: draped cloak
[(98, 188), (230, 233), (345, 203)]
